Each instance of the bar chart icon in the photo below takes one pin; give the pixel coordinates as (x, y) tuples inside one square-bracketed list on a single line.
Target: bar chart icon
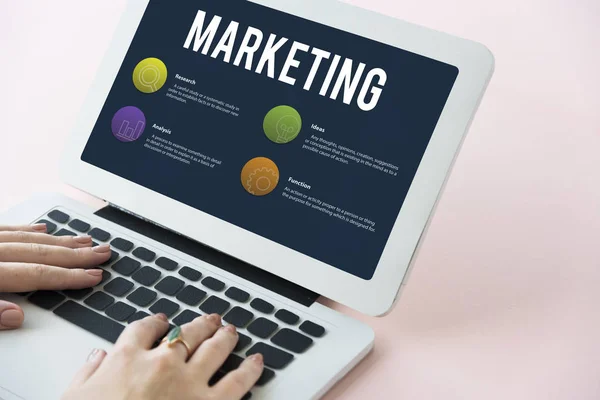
[(128, 124)]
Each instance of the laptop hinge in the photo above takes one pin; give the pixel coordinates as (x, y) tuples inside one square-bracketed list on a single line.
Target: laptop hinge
[(208, 254)]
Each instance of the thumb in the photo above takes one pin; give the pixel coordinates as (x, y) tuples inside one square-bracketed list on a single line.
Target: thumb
[(11, 316), (92, 363)]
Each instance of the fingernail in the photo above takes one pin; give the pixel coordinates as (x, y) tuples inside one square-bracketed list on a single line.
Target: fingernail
[(257, 359), (39, 227), (230, 329), (11, 318), (162, 316), (105, 248), (216, 318), (94, 272), (94, 353), (83, 239)]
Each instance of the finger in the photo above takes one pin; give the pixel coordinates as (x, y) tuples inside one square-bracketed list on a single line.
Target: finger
[(11, 316), (239, 381), (73, 242), (144, 332), (213, 352), (41, 228), (91, 365), (194, 333), (19, 277), (54, 255)]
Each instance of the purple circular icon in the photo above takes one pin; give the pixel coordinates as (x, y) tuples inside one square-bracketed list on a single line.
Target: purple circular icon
[(128, 124)]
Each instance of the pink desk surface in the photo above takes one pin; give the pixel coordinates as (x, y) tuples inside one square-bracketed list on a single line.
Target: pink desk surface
[(504, 302)]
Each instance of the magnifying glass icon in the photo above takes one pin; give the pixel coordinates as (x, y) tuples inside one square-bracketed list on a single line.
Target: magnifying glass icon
[(149, 76)]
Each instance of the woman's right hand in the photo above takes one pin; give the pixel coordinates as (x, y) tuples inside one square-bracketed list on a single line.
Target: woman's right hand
[(136, 371)]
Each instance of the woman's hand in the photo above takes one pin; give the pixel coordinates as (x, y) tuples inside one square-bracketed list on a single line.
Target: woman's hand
[(136, 371), (32, 260)]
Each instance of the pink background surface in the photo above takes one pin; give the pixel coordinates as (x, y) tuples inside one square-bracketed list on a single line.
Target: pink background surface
[(504, 301)]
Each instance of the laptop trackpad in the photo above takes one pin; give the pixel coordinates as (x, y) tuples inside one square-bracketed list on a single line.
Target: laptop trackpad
[(40, 359)]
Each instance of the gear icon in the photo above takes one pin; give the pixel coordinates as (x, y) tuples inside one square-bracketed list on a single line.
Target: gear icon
[(261, 181), (260, 176)]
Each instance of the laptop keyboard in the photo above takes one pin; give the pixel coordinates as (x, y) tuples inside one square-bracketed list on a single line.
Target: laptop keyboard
[(138, 281)]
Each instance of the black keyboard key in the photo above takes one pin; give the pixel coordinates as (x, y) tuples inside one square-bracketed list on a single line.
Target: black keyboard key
[(238, 317), (274, 357), (165, 306), (233, 362), (113, 256), (46, 299), (191, 296), (230, 364), (99, 301), (144, 254), (265, 377), (292, 340), (78, 294), (58, 216), (243, 342), (262, 327), (50, 226), (65, 232), (190, 273), (214, 305), (105, 277), (237, 294), (137, 316), (126, 266), (185, 317), (166, 263), (262, 306), (79, 225), (169, 286), (142, 296), (216, 378), (146, 276), (120, 311), (122, 244), (89, 320), (312, 329), (213, 284), (287, 317), (118, 287), (99, 234)]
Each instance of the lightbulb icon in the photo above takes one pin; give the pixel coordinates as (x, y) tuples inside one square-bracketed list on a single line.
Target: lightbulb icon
[(282, 124)]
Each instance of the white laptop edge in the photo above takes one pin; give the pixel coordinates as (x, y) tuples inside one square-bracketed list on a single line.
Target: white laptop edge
[(374, 297)]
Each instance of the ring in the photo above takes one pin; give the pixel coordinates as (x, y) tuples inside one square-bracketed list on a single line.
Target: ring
[(173, 337)]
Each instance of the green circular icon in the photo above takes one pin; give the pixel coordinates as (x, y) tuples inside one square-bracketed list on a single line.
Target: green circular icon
[(282, 124)]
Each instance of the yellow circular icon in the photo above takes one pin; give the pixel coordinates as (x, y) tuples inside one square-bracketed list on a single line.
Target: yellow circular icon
[(260, 176), (150, 75)]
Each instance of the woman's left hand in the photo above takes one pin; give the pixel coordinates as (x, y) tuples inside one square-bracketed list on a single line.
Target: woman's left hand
[(32, 260)]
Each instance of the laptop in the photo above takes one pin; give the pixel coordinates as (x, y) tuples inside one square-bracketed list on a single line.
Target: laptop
[(254, 157)]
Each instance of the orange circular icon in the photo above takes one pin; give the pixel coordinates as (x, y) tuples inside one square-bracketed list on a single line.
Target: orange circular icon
[(260, 176)]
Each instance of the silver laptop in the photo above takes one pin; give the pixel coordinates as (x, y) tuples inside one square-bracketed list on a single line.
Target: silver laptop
[(254, 157)]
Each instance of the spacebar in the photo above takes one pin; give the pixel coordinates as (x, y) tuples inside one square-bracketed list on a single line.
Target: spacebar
[(90, 321)]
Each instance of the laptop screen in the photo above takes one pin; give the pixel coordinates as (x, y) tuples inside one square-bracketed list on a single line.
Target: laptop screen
[(306, 135)]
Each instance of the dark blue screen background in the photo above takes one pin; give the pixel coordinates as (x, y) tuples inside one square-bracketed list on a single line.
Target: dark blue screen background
[(397, 130)]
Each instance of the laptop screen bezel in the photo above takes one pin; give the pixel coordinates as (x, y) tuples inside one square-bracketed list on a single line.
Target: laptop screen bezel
[(372, 297)]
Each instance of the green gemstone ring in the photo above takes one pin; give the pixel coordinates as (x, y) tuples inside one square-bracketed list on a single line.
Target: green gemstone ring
[(173, 337)]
